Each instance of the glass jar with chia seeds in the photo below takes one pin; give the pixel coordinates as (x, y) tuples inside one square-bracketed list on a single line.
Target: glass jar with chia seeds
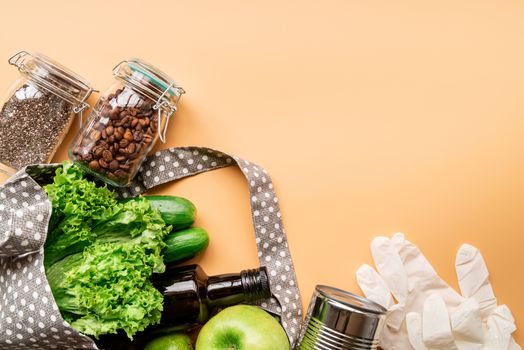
[(126, 122), (38, 110)]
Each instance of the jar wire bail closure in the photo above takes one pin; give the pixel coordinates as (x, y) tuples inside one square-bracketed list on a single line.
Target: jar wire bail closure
[(171, 109), (82, 106), (16, 60)]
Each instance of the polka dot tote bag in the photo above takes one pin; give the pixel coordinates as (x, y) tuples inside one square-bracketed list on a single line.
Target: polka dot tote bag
[(29, 317)]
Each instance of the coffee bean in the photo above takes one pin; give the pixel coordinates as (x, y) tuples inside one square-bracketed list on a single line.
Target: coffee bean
[(115, 113), (120, 173), (98, 151), (115, 146), (118, 136), (107, 155), (103, 163), (87, 157), (111, 139), (137, 135), (114, 165), (128, 135), (120, 158), (112, 176), (147, 138), (147, 106), (110, 130), (144, 122), (121, 130), (123, 143), (95, 135), (106, 108), (124, 166), (93, 165), (138, 127), (131, 148)]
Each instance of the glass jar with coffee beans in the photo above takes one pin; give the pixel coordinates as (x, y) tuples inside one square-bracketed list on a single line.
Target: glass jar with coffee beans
[(126, 122), (38, 110)]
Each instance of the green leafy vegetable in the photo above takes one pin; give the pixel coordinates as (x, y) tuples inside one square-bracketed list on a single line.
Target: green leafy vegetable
[(101, 280), (77, 204), (106, 288)]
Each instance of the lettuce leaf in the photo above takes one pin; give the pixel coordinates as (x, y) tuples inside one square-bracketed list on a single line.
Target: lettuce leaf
[(77, 203), (135, 222), (101, 280), (107, 288)]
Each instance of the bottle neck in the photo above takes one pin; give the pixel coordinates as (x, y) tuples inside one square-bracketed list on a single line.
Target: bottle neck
[(230, 289)]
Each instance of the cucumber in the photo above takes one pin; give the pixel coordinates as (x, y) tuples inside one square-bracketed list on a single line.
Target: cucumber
[(185, 244), (175, 211)]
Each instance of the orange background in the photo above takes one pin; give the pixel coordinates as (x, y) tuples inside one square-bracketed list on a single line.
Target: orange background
[(372, 117)]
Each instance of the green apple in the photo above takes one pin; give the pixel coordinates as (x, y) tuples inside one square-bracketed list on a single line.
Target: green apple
[(242, 327), (176, 341)]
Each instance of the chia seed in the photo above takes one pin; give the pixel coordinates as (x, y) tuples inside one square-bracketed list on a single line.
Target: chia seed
[(33, 123)]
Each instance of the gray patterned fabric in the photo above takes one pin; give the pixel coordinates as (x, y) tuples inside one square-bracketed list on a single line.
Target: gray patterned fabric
[(29, 317)]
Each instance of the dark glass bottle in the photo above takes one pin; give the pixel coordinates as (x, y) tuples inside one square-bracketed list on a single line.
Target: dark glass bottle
[(190, 295)]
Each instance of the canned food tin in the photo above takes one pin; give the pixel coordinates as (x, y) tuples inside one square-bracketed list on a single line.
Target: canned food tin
[(339, 320)]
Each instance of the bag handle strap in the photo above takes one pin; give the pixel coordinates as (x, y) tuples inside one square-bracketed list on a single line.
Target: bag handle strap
[(273, 251)]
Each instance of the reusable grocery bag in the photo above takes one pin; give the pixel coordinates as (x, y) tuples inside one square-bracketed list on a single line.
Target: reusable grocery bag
[(29, 317)]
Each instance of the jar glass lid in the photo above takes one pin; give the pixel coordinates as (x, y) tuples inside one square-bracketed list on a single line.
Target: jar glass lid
[(150, 81), (53, 76)]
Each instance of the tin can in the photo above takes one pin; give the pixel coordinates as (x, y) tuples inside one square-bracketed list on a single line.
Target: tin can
[(339, 320)]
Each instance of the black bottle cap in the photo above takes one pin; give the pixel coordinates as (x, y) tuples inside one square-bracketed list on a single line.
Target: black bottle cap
[(256, 284)]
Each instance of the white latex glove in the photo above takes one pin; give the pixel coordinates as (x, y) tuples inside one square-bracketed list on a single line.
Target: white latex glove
[(477, 324), (465, 330), (406, 275)]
